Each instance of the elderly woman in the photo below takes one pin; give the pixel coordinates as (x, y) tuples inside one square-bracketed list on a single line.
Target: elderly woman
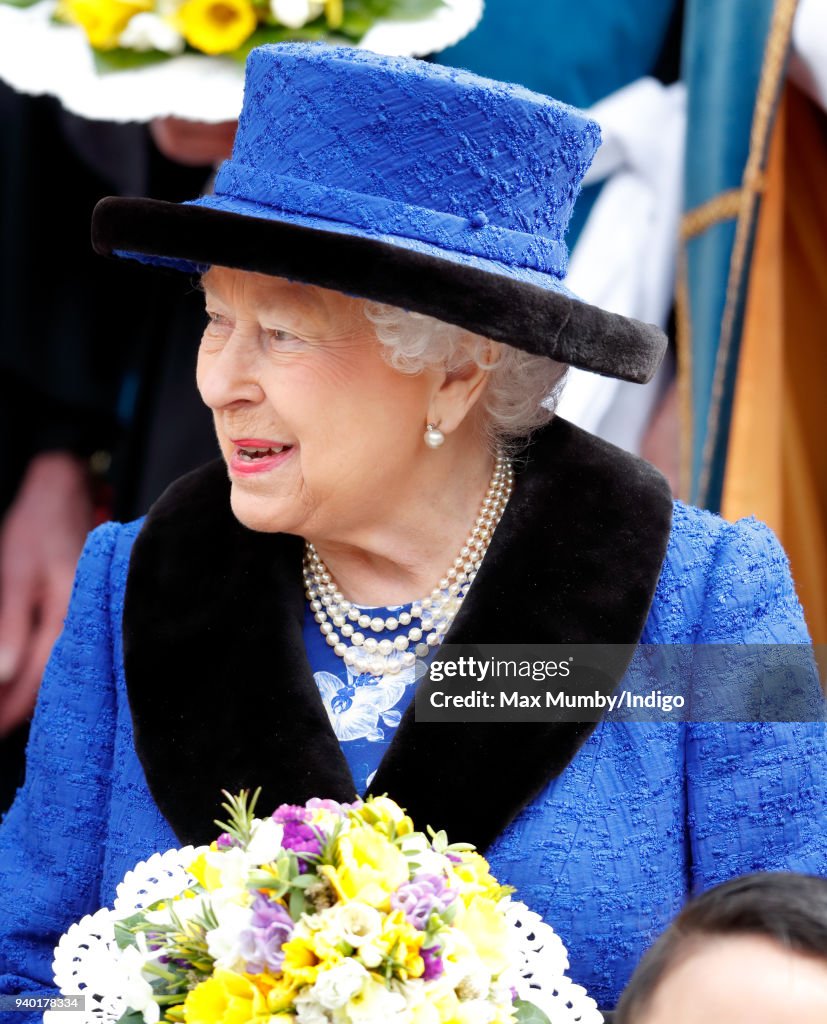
[(382, 263)]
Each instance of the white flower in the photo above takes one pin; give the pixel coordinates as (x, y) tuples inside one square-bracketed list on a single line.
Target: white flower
[(128, 981), (224, 942), (375, 1004), (265, 844), (308, 1010), (417, 848), (147, 31), (337, 986), (233, 867), (358, 923), (295, 13)]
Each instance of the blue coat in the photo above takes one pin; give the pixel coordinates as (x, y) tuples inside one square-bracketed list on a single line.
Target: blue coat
[(643, 815)]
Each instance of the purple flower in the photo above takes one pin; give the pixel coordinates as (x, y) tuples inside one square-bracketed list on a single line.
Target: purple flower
[(225, 841), (420, 897), (333, 806), (433, 963), (298, 835), (261, 944), (287, 813)]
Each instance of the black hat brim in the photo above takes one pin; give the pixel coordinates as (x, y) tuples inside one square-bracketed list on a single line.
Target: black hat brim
[(527, 316)]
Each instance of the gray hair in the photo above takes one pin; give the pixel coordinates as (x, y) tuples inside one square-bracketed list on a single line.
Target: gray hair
[(523, 388)]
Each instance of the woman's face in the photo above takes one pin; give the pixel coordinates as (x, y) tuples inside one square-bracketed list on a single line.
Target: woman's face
[(744, 979), (319, 434)]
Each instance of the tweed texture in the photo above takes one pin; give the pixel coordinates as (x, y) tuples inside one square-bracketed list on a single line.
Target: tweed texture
[(644, 815), (430, 163), (398, 147)]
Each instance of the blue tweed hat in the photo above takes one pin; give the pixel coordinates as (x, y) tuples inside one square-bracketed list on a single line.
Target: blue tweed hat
[(404, 182)]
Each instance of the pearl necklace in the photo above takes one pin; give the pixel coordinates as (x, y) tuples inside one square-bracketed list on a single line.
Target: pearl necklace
[(344, 624)]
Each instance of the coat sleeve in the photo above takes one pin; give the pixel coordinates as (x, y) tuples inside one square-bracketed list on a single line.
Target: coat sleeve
[(51, 841), (756, 790)]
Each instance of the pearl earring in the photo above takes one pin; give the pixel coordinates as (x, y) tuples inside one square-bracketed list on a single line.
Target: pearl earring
[(434, 438)]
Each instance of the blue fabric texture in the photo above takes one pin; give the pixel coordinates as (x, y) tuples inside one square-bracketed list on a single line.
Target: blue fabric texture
[(644, 816), (427, 158)]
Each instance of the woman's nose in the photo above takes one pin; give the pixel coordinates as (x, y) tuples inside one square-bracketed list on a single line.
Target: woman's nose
[(230, 373)]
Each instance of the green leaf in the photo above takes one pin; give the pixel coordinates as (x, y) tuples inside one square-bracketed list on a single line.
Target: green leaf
[(408, 10), (20, 3), (528, 1013), (124, 934), (303, 881), (449, 913), (392, 10), (355, 24), (297, 904), (107, 61), (132, 1017)]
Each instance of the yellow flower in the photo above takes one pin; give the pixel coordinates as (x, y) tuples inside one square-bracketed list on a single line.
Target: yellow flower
[(474, 877), (334, 11), (386, 815), (401, 939), (225, 998), (101, 20), (217, 26), (278, 992), (205, 873), (485, 926), (301, 964), (442, 1000), (371, 868)]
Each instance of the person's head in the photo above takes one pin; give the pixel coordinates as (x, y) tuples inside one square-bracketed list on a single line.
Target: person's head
[(408, 184), (321, 401), (750, 951)]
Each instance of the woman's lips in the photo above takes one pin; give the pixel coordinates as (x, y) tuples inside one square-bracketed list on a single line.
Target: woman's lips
[(253, 455)]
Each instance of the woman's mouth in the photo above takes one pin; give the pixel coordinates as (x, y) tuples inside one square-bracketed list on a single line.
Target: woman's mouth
[(255, 456)]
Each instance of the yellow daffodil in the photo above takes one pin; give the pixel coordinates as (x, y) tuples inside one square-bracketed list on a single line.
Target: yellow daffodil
[(103, 21), (217, 26), (370, 869), (226, 998)]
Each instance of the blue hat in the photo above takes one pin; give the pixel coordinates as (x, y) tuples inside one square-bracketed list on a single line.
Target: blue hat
[(404, 182)]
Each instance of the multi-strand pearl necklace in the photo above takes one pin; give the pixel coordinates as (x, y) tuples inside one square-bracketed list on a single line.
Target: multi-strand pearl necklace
[(356, 636)]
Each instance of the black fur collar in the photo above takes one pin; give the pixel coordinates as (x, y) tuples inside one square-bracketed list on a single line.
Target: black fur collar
[(221, 692)]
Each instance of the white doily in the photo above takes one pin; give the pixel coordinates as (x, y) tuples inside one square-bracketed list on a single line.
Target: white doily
[(83, 956), (161, 877), (542, 971), (86, 958), (37, 57)]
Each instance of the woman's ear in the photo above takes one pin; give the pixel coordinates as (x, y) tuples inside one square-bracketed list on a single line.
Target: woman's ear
[(461, 389)]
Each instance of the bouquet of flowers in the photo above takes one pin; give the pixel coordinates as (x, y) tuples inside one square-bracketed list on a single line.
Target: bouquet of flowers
[(135, 60), (121, 29), (326, 913)]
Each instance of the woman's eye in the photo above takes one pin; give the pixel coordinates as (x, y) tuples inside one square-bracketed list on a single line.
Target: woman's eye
[(284, 341), (217, 319)]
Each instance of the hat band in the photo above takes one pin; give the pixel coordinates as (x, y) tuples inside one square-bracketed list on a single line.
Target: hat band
[(473, 235)]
